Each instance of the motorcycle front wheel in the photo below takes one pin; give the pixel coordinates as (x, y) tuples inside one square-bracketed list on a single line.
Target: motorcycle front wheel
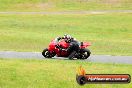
[(46, 53)]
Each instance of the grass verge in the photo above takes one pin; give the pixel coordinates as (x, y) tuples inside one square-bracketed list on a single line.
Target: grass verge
[(33, 73), (108, 33), (64, 5)]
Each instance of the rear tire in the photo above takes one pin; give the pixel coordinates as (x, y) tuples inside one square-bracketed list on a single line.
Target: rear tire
[(84, 54), (46, 53)]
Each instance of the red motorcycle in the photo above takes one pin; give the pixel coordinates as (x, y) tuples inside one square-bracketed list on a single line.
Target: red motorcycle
[(53, 50)]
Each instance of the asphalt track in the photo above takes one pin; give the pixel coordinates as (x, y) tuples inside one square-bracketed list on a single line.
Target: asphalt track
[(71, 12), (92, 58)]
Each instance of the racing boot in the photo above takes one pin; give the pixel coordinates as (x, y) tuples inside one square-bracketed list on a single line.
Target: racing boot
[(72, 55)]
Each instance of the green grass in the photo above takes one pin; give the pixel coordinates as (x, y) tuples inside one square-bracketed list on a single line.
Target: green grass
[(64, 5), (27, 73), (108, 33)]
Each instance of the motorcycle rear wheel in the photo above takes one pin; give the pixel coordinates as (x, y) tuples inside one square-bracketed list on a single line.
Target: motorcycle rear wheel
[(84, 54)]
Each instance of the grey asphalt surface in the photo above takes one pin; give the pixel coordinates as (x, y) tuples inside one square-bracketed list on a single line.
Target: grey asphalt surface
[(92, 58), (71, 12)]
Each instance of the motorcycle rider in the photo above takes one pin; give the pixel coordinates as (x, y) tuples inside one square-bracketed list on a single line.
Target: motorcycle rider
[(73, 45), (66, 37)]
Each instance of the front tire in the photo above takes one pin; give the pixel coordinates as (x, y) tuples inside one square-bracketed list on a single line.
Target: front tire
[(46, 53)]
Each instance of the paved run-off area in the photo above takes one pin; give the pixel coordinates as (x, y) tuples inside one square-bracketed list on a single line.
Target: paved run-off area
[(92, 58)]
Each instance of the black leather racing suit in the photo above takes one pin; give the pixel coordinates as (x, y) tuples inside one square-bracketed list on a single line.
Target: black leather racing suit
[(73, 48)]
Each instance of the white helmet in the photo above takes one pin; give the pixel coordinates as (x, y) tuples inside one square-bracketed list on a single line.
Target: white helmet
[(67, 38)]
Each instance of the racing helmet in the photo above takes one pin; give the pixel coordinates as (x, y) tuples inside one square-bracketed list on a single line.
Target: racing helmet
[(67, 38)]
